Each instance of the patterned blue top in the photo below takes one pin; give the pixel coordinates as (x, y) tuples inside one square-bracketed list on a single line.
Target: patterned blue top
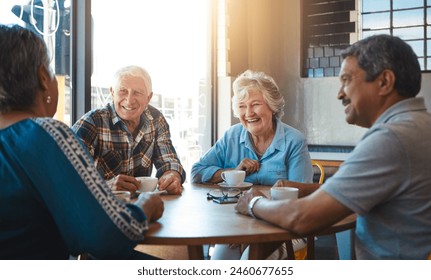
[(286, 158), (54, 203)]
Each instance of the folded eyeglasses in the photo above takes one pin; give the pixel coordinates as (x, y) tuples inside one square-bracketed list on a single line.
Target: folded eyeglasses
[(224, 194)]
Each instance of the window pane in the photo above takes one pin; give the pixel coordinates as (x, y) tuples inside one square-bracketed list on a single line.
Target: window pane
[(428, 15), (408, 18), (403, 4), (375, 5), (422, 63), (366, 34), (375, 21), (53, 23), (170, 39), (418, 47), (428, 64), (409, 33)]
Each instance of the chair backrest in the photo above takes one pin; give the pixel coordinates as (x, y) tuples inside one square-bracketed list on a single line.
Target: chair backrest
[(321, 169)]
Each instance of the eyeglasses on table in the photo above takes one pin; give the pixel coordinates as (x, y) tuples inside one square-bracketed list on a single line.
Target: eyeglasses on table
[(224, 194)]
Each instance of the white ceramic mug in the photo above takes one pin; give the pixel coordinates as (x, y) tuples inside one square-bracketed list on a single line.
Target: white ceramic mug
[(279, 193), (233, 177), (148, 184)]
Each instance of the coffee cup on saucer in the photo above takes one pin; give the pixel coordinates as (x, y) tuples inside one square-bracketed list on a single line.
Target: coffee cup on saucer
[(148, 184), (233, 177)]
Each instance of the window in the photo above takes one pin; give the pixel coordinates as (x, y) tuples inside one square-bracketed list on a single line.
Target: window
[(172, 41), (330, 26), (327, 27), (409, 20), (50, 19)]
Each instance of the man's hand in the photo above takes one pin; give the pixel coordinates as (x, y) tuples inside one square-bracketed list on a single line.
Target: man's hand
[(171, 182), (124, 183), (242, 204)]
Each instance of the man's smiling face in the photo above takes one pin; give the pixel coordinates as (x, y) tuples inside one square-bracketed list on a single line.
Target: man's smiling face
[(359, 97), (130, 98)]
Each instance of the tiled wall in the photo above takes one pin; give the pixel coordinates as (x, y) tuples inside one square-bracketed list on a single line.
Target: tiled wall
[(323, 62)]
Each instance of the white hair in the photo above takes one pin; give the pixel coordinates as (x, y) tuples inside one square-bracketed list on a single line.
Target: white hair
[(259, 81)]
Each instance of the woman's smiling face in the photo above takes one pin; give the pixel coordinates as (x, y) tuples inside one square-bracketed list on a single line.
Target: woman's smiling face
[(255, 114)]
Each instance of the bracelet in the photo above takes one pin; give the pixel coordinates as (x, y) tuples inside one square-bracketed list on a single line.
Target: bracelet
[(251, 205)]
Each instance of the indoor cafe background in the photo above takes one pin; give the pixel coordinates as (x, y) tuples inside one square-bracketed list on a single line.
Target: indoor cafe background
[(194, 49)]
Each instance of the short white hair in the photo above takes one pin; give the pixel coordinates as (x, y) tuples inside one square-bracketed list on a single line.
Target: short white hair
[(259, 81), (134, 71)]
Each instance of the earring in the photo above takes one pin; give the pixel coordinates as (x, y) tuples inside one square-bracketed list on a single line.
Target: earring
[(48, 99)]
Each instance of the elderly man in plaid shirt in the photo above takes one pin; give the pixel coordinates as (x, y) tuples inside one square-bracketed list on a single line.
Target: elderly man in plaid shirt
[(127, 136)]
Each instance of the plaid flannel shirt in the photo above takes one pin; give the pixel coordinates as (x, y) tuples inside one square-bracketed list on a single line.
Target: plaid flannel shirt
[(114, 150)]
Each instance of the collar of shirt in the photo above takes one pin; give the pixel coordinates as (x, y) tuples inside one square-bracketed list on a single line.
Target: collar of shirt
[(409, 104), (146, 118), (278, 142)]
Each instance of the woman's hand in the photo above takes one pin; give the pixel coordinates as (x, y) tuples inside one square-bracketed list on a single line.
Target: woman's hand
[(249, 165), (152, 205)]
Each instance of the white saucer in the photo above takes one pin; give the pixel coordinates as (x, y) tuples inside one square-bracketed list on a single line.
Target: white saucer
[(156, 191), (242, 185)]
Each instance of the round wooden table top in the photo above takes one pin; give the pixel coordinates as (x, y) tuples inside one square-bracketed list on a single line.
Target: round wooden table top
[(192, 219)]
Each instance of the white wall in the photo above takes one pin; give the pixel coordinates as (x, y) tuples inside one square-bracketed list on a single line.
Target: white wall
[(324, 119), (426, 90)]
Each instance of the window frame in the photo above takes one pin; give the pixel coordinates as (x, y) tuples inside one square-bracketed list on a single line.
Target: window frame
[(424, 57), (81, 62)]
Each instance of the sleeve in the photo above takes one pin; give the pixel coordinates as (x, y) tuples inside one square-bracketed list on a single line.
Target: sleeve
[(165, 157), (298, 161), (89, 218), (86, 130), (213, 160)]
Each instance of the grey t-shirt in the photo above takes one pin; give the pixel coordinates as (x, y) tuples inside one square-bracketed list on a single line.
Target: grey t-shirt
[(387, 181)]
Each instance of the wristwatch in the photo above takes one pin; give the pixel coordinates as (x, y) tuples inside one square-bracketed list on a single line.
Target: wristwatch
[(251, 205)]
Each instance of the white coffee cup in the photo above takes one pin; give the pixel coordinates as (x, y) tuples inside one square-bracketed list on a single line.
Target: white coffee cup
[(122, 195), (279, 193), (233, 177), (148, 184)]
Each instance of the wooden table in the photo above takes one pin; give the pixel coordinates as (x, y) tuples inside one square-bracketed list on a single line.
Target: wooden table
[(192, 220)]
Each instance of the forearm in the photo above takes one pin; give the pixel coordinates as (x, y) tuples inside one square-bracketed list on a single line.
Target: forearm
[(171, 166), (302, 216), (164, 157), (305, 189), (275, 212)]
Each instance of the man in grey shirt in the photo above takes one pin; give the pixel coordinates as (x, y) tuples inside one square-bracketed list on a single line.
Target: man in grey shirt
[(386, 180)]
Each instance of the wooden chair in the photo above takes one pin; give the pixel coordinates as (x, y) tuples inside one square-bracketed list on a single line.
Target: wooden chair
[(321, 169), (344, 236), (310, 239)]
